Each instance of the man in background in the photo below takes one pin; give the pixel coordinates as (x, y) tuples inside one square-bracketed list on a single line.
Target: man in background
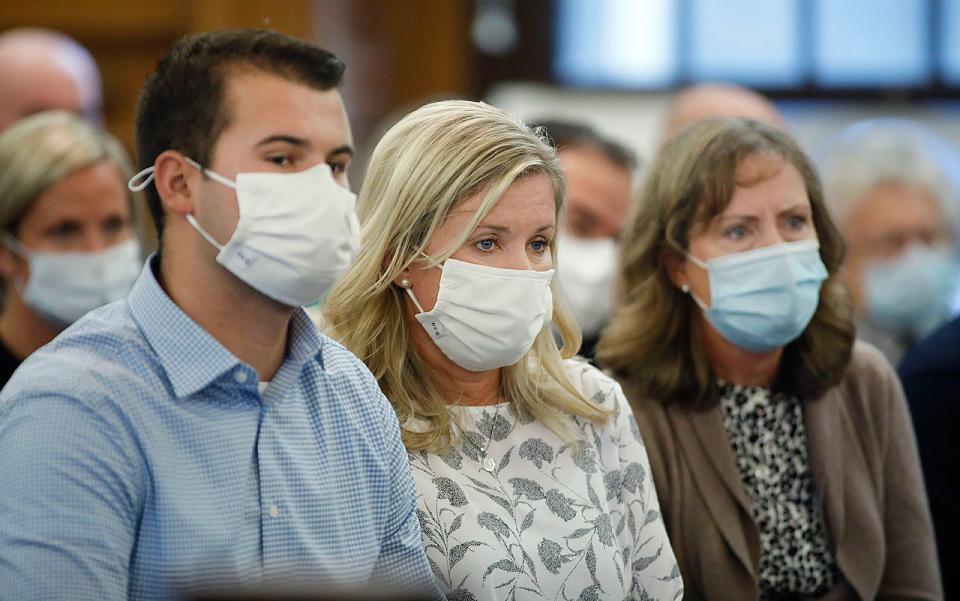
[(600, 179), (42, 70), (717, 100)]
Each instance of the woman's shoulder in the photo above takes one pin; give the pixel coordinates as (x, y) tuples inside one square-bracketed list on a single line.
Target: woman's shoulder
[(596, 386), (869, 370), (870, 390)]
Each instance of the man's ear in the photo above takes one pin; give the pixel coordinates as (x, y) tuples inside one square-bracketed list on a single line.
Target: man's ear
[(675, 263), (173, 177)]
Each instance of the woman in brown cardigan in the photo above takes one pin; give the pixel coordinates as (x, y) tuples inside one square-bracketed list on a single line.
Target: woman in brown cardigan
[(782, 452)]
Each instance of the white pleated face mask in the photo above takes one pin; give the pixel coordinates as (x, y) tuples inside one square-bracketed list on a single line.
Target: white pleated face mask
[(63, 286), (487, 317), (586, 270), (297, 232)]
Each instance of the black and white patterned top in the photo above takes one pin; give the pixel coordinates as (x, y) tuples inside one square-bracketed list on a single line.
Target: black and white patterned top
[(770, 444), (555, 519)]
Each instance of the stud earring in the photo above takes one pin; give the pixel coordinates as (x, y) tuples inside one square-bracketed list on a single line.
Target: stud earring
[(685, 288), (404, 283)]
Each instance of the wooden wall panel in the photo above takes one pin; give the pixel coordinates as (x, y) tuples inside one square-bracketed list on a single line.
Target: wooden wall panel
[(128, 37), (399, 53)]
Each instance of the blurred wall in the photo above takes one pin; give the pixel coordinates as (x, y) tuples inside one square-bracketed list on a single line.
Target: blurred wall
[(634, 118)]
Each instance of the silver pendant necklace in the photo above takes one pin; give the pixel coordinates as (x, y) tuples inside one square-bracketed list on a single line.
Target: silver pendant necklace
[(486, 461)]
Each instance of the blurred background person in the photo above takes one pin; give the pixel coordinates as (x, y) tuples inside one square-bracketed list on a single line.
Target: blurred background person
[(930, 373), (44, 70), (735, 344), (707, 100), (530, 475), (68, 244), (893, 191), (600, 176)]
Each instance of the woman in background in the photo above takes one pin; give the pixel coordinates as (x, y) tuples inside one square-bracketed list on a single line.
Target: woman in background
[(782, 452), (532, 481), (68, 243)]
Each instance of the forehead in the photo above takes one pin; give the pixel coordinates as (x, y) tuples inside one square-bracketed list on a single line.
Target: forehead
[(894, 204), (529, 197), (86, 193), (764, 181), (591, 173), (257, 104)]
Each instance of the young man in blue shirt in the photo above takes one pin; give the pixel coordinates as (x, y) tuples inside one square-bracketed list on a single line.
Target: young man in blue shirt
[(202, 433)]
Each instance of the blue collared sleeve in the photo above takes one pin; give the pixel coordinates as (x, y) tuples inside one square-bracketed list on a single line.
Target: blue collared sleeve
[(70, 484), (402, 563)]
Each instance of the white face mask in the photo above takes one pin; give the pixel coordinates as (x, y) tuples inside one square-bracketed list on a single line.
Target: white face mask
[(487, 317), (63, 286), (586, 270), (296, 235)]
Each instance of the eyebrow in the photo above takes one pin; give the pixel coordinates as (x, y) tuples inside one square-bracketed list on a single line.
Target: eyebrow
[(345, 149), (795, 207), (303, 143), (293, 140), (503, 229)]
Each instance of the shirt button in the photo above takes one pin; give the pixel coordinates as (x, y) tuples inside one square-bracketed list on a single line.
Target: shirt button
[(240, 376), (274, 511)]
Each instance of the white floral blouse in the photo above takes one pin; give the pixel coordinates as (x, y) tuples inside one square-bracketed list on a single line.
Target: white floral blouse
[(551, 520)]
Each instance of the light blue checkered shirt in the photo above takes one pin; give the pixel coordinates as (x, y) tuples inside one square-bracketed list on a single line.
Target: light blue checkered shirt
[(138, 459)]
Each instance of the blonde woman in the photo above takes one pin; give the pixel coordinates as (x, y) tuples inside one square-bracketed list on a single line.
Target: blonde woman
[(532, 481), (782, 452), (67, 243)]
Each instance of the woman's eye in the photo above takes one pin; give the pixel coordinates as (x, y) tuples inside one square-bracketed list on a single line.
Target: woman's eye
[(540, 246), (796, 222), (486, 245), (737, 232), (337, 167), (65, 231), (281, 160)]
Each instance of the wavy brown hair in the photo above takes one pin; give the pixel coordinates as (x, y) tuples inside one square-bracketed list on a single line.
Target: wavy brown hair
[(652, 338)]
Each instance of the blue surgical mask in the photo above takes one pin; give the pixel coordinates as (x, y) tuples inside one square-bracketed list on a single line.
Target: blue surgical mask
[(763, 299), (911, 295)]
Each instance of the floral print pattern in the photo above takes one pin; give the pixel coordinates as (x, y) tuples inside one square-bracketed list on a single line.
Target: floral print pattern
[(558, 520)]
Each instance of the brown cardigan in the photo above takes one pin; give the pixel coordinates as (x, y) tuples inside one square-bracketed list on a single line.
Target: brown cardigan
[(863, 457)]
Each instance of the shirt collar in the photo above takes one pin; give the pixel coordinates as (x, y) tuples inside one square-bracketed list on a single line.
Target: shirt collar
[(189, 355)]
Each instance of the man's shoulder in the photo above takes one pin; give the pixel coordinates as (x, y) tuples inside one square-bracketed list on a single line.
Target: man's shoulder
[(351, 379), (100, 353), (939, 353)]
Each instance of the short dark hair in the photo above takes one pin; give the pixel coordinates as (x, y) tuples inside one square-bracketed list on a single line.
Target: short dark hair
[(181, 103), (567, 134)]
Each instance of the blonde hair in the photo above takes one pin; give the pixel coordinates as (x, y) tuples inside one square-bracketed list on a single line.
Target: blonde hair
[(425, 165), (653, 338), (39, 151)]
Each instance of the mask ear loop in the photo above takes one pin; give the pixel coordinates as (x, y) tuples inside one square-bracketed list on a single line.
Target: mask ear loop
[(686, 287), (141, 180), (191, 219), (408, 286), (15, 246), (413, 297)]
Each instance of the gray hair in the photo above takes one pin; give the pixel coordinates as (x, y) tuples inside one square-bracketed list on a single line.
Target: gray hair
[(878, 151), (39, 151)]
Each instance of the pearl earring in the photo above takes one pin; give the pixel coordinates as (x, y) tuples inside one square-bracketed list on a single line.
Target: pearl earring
[(404, 283), (685, 288)]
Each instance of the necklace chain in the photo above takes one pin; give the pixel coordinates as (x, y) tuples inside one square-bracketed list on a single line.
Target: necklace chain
[(487, 462)]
